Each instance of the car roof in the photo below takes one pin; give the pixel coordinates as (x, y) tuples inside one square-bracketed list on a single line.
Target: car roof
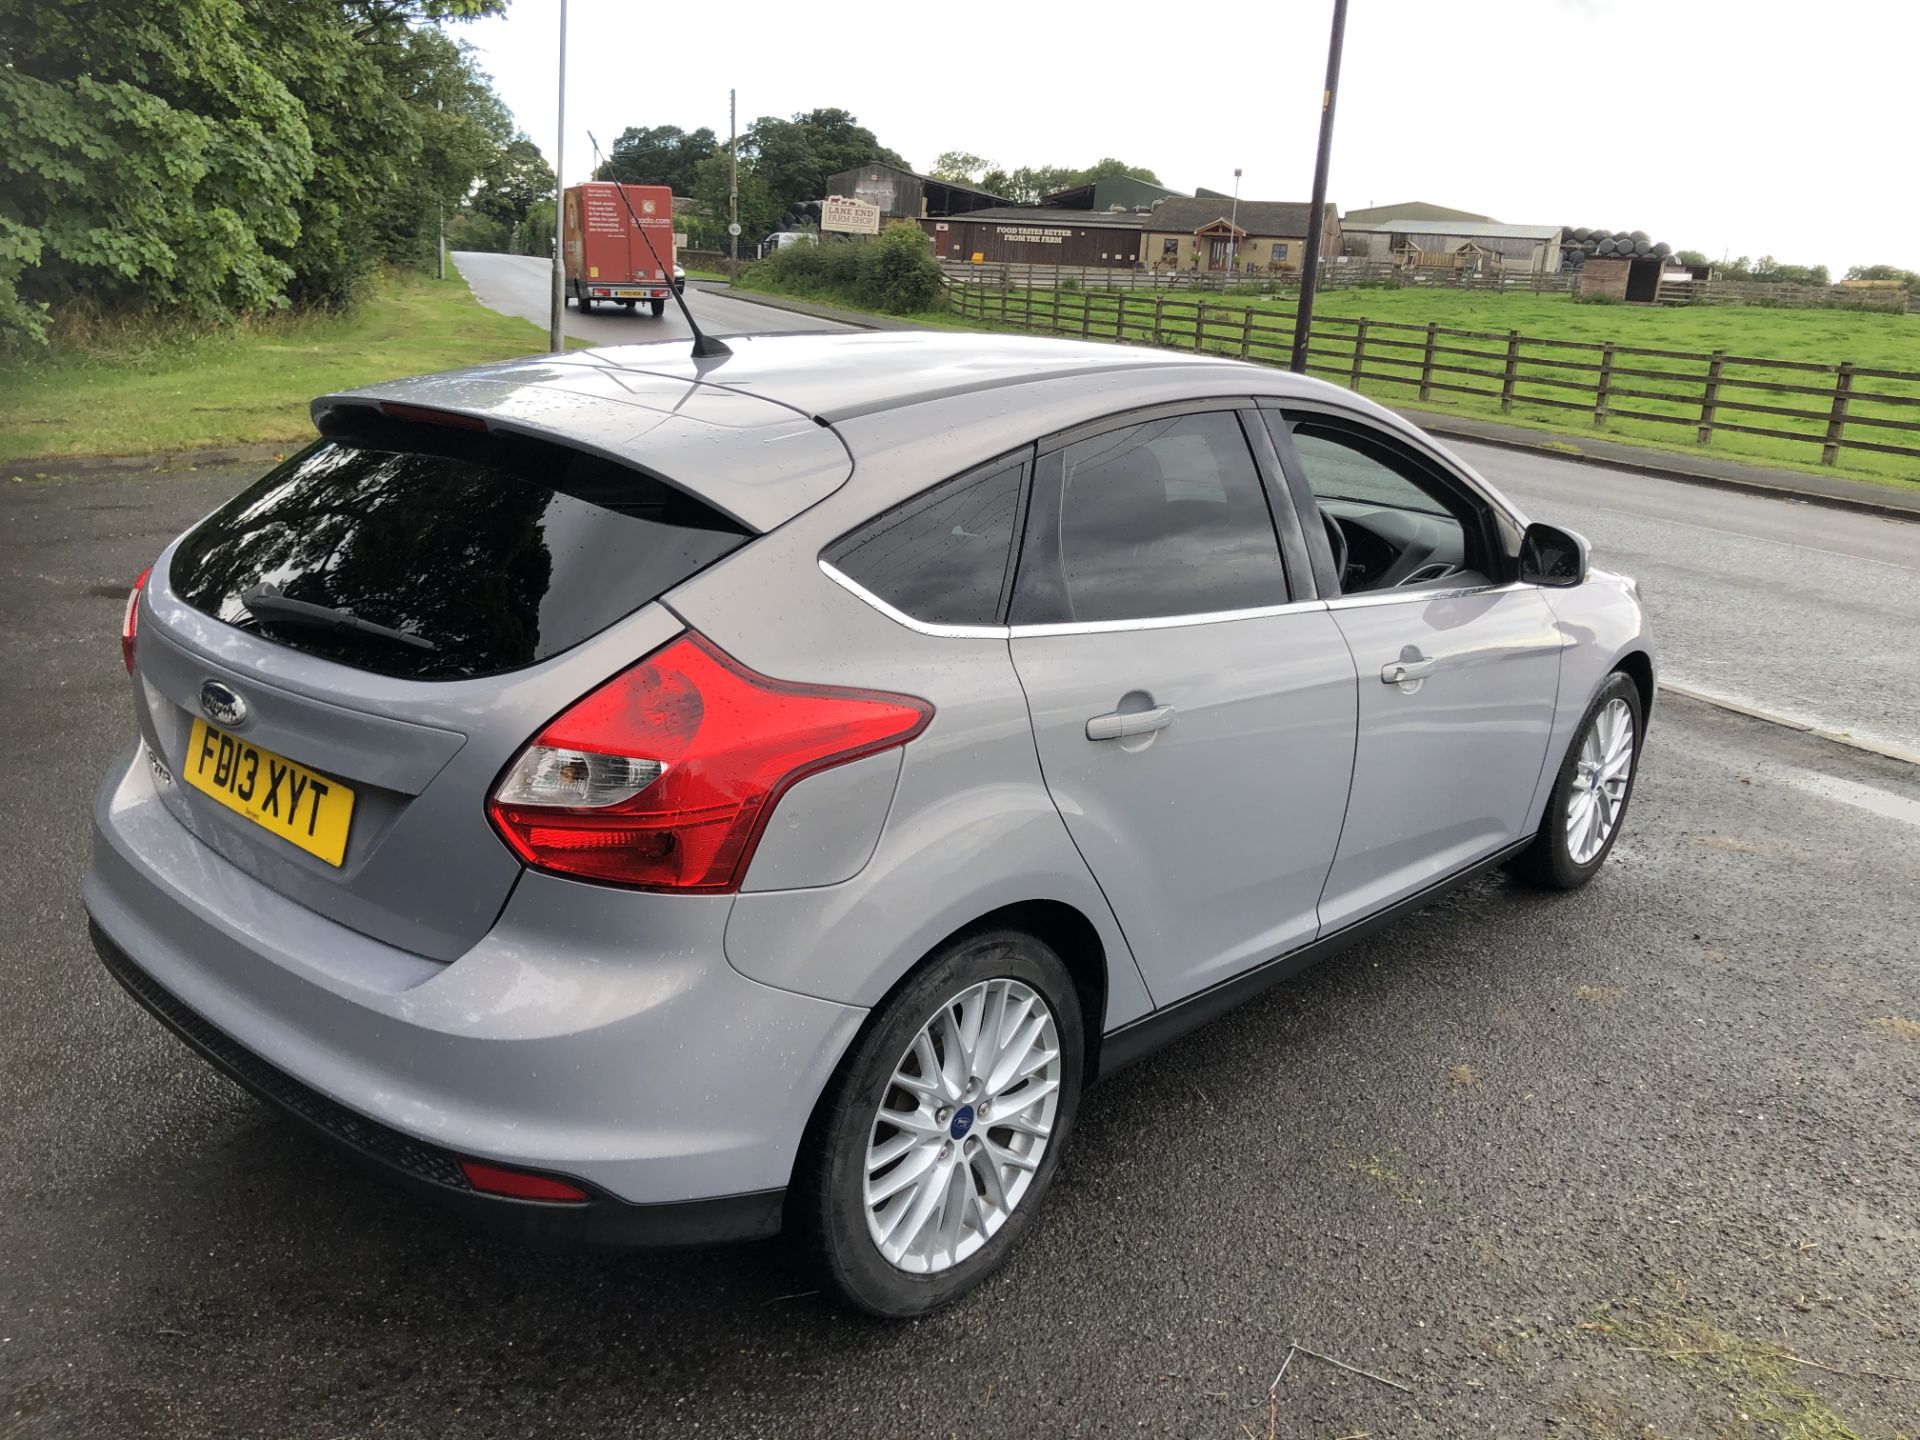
[(754, 432)]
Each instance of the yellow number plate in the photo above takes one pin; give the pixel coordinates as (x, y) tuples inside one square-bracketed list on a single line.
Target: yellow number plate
[(299, 806)]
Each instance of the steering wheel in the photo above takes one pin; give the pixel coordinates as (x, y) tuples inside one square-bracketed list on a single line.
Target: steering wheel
[(1337, 538)]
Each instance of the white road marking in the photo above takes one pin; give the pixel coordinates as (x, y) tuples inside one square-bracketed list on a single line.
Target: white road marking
[(1743, 706), (1847, 792)]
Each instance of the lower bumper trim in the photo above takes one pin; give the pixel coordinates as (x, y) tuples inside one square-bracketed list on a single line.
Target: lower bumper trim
[(602, 1220)]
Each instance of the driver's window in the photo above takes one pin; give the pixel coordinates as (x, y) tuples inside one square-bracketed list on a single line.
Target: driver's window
[(1387, 523)]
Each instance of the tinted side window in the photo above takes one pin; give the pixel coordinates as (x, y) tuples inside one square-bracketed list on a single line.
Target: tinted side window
[(943, 558), (1161, 519)]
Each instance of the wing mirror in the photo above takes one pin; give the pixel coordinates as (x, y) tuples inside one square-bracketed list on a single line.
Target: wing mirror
[(1552, 556)]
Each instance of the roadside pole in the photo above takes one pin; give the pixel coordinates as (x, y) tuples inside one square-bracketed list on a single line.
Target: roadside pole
[(556, 322), (1316, 222), (733, 188)]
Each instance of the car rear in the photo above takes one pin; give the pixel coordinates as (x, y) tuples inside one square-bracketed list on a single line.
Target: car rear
[(397, 704)]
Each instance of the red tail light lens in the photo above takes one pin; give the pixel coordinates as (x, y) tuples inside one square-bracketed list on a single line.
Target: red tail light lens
[(130, 622), (664, 777)]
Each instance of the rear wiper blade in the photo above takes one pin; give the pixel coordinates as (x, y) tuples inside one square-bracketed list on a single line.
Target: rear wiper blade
[(270, 607)]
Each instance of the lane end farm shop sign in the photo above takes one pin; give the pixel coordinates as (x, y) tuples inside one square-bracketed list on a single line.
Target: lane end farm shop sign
[(849, 217)]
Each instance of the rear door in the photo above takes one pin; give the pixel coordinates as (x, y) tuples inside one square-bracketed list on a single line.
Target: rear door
[(506, 577), (1194, 711), (1458, 666)]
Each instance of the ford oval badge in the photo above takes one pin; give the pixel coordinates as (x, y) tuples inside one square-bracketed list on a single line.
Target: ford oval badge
[(222, 704)]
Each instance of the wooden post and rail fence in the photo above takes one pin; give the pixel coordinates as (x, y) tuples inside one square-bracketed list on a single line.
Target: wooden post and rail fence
[(1839, 408)]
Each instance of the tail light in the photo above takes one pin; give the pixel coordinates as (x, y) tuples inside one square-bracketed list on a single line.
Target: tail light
[(130, 622), (664, 777)]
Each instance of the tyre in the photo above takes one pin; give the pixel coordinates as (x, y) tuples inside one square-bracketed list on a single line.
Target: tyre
[(1588, 804), (659, 307), (940, 1136), (585, 303)]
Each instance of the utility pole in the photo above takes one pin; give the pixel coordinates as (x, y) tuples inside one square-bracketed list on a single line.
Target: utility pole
[(1316, 222), (733, 188), (556, 323), (1233, 223)]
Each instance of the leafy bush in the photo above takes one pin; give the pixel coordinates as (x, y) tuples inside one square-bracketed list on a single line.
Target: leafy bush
[(898, 273), (895, 273)]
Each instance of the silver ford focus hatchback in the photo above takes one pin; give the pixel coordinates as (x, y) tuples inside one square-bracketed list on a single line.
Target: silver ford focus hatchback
[(651, 799)]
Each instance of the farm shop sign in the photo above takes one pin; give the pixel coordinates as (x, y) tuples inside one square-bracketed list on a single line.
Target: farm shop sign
[(851, 217), (1031, 235)]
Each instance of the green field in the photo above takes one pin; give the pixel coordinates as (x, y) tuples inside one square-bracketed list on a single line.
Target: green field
[(1671, 388), (138, 391)]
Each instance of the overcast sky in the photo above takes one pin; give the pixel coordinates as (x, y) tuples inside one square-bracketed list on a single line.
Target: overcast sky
[(1730, 126)]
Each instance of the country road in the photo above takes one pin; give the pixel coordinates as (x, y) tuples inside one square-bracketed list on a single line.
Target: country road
[(521, 285)]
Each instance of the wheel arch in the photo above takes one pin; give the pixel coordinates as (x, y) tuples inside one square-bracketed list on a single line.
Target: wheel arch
[(1637, 666), (1063, 928)]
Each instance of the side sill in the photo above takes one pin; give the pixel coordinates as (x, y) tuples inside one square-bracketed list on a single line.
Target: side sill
[(1139, 1039)]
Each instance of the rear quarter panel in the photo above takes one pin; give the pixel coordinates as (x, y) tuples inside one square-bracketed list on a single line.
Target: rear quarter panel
[(970, 829)]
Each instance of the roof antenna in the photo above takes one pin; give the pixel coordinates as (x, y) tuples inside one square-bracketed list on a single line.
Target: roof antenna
[(704, 344)]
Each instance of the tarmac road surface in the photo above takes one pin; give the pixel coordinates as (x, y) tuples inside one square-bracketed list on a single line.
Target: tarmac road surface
[(1507, 1154)]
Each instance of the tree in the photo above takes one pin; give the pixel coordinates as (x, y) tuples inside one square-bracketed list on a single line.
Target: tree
[(794, 157), (658, 155), (959, 166), (1908, 278), (214, 157), (757, 210), (1108, 168), (151, 157)]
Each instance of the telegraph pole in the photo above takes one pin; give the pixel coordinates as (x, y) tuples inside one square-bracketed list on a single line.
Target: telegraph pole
[(1316, 222), (556, 326), (1233, 223), (733, 188)]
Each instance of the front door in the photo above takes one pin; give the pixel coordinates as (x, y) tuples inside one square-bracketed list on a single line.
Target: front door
[(1219, 253), (1194, 727), (1458, 671)]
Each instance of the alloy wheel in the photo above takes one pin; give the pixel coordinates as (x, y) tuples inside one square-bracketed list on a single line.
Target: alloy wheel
[(1601, 776), (962, 1126)]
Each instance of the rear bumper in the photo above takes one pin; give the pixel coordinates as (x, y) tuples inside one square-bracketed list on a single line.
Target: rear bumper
[(593, 1034), (435, 1173)]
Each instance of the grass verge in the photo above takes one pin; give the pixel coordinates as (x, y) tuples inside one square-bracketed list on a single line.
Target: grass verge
[(140, 390)]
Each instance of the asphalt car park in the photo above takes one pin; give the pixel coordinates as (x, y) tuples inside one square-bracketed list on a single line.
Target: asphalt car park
[(1584, 1166)]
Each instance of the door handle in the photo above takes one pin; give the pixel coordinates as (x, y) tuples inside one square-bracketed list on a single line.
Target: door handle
[(1118, 725), (1399, 671)]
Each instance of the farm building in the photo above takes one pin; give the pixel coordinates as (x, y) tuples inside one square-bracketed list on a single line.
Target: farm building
[(1115, 192), (1032, 235), (1409, 210), (1214, 235), (1474, 245), (905, 195)]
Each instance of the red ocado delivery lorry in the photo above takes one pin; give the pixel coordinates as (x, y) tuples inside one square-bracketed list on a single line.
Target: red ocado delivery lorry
[(606, 258)]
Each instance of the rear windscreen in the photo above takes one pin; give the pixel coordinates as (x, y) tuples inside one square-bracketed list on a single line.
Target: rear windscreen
[(443, 558)]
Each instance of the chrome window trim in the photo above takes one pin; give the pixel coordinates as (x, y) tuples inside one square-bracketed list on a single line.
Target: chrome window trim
[(1397, 596), (1075, 627), (900, 617), (1166, 622)]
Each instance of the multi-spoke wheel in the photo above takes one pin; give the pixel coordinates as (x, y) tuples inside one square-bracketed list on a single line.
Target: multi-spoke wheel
[(1600, 780), (963, 1126), (1590, 795), (941, 1136)]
